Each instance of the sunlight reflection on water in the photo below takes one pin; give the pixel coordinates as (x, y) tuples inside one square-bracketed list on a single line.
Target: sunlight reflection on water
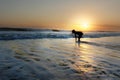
[(84, 60)]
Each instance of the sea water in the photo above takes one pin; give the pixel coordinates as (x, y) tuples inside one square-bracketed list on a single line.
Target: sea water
[(11, 35), (51, 55)]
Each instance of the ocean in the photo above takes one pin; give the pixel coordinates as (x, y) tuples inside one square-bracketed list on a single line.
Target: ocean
[(12, 35), (55, 55)]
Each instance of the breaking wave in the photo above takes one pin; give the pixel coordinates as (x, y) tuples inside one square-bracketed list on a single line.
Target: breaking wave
[(11, 35)]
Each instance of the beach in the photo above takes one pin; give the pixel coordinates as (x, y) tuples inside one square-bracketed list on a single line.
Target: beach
[(60, 59), (59, 39)]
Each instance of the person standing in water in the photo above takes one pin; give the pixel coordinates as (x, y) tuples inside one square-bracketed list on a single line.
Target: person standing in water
[(77, 34)]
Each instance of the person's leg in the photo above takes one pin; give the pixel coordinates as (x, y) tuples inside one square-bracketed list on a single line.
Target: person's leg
[(78, 39), (75, 37)]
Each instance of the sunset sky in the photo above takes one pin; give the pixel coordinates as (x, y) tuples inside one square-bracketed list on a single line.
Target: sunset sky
[(86, 15)]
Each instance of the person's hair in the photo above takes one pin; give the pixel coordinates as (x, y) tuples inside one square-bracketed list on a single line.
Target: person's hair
[(73, 31)]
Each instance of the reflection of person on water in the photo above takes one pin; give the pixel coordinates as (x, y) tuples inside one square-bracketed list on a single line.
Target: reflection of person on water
[(77, 34)]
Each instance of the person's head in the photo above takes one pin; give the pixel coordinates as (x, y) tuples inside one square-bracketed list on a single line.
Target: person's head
[(73, 31)]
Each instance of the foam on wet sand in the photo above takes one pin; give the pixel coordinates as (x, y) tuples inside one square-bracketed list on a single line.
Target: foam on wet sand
[(59, 59)]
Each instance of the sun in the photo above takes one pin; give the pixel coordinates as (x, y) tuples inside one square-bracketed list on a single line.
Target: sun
[(85, 25)]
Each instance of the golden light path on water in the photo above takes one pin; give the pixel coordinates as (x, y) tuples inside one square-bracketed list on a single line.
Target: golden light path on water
[(85, 59)]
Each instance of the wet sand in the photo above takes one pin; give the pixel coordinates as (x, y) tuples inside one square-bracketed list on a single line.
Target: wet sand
[(59, 59)]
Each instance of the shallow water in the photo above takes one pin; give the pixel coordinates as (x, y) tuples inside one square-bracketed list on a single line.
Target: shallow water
[(60, 59)]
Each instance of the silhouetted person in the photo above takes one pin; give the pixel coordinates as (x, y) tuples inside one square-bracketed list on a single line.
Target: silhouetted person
[(77, 34)]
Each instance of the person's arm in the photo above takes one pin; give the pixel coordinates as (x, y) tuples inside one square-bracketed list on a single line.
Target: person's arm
[(75, 37)]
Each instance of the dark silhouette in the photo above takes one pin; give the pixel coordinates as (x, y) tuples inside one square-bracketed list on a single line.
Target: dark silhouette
[(77, 34)]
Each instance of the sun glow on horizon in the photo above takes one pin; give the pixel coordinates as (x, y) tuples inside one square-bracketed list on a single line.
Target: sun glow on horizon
[(82, 23), (85, 26)]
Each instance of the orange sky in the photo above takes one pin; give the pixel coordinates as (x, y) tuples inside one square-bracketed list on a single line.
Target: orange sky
[(100, 15)]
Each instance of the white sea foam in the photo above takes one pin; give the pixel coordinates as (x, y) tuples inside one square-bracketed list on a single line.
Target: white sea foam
[(9, 35)]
